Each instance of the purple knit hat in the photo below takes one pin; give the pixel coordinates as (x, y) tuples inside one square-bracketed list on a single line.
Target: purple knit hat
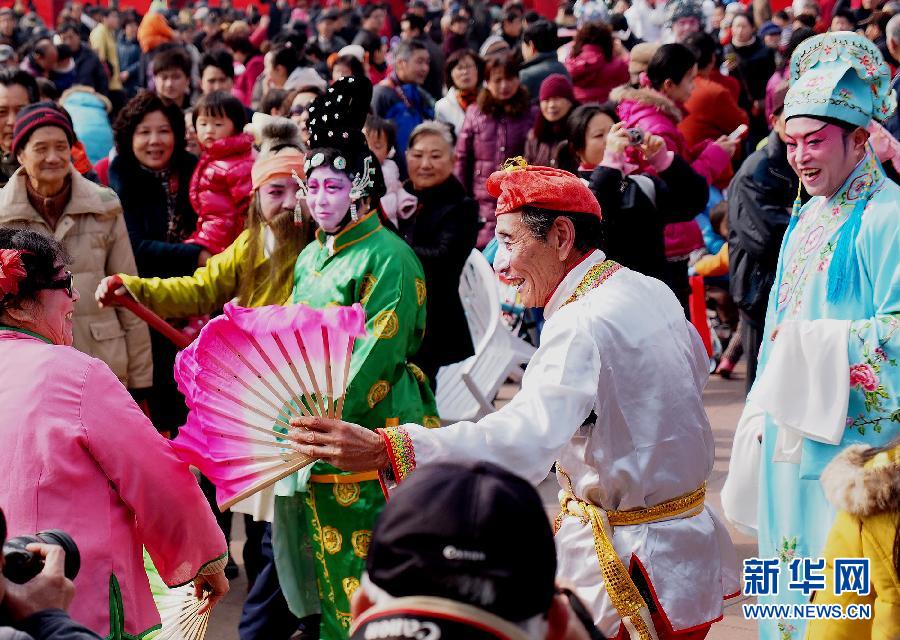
[(35, 116), (556, 85)]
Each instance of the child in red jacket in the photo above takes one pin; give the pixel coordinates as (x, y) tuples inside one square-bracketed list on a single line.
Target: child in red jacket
[(220, 187)]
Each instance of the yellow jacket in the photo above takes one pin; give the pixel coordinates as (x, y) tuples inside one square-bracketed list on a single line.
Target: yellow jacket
[(210, 287), (867, 494)]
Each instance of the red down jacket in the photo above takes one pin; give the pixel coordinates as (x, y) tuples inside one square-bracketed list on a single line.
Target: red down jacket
[(220, 192)]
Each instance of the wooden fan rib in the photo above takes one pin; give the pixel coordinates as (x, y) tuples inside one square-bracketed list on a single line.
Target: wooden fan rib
[(248, 407), (329, 382), (340, 405), (240, 438), (265, 356), (313, 408), (265, 482), (230, 372), (309, 369), (256, 372)]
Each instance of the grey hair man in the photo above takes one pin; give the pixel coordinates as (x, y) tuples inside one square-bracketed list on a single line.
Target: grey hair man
[(401, 97)]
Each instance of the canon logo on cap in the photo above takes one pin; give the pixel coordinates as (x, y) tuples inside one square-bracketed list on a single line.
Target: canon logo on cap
[(452, 553)]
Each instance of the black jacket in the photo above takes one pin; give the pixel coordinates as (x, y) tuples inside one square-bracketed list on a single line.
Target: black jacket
[(443, 233), (90, 71), (633, 225), (144, 204), (52, 624), (759, 207), (533, 72)]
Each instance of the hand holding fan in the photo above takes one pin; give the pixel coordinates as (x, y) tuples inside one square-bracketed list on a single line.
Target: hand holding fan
[(179, 611), (249, 372)]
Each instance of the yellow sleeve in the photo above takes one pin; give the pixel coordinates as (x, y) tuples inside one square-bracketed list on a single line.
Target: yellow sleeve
[(844, 541), (716, 265), (210, 286)]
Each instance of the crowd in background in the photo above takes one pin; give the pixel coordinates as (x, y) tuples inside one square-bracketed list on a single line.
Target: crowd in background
[(669, 111)]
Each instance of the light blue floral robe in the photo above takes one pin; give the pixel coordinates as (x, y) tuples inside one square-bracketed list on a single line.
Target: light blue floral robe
[(794, 517)]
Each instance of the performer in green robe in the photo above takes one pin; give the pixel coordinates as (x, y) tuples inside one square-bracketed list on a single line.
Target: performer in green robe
[(353, 259)]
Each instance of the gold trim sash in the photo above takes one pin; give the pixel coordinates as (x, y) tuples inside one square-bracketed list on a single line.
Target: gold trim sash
[(339, 478), (624, 595)]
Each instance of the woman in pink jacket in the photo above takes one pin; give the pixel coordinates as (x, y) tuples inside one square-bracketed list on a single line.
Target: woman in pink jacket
[(597, 63), (656, 108), (78, 454)]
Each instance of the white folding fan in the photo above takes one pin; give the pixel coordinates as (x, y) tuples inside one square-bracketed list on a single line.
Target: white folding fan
[(179, 611), (247, 375)]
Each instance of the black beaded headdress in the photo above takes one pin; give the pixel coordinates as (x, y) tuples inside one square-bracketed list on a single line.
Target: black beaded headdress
[(336, 120)]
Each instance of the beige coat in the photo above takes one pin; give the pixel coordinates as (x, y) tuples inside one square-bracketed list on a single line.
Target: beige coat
[(93, 231)]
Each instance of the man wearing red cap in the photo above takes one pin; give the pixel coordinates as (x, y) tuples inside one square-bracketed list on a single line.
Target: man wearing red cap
[(612, 396)]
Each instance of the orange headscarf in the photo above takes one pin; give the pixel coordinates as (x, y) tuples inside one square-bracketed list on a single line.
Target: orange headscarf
[(154, 31), (280, 165)]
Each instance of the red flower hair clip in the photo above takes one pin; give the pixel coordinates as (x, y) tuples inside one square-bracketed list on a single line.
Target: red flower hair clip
[(12, 270)]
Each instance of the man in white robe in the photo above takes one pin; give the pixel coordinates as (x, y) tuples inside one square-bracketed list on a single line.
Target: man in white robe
[(613, 396)]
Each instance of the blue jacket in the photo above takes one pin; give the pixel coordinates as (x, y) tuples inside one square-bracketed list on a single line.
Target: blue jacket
[(89, 115)]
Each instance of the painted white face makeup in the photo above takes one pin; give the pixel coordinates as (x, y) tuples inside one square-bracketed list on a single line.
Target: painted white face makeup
[(821, 154), (328, 197)]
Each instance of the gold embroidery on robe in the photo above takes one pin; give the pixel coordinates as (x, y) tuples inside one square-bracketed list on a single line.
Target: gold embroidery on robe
[(360, 541), (378, 392), (346, 494), (366, 287), (386, 324), (332, 539)]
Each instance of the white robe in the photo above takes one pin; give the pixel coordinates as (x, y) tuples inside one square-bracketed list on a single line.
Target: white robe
[(625, 351)]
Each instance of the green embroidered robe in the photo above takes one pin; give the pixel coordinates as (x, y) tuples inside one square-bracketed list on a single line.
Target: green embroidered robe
[(369, 264)]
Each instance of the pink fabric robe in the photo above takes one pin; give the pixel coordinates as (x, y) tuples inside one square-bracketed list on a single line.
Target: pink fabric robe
[(77, 454)]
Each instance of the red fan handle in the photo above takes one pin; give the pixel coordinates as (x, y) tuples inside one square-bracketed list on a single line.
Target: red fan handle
[(168, 331)]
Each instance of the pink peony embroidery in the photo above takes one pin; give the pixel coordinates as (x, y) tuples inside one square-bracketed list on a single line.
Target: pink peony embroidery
[(862, 375)]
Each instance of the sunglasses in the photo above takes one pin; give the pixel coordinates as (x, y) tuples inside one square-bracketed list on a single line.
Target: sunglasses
[(67, 284)]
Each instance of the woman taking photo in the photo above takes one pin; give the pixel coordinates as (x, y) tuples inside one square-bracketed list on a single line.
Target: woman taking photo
[(152, 175), (547, 141), (495, 128), (656, 108), (463, 75), (91, 464), (48, 195), (442, 232)]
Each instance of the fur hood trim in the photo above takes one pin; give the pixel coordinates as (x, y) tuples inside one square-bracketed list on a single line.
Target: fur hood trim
[(858, 489), (649, 97), (273, 133)]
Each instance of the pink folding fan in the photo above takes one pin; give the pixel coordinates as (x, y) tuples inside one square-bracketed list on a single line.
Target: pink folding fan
[(247, 375)]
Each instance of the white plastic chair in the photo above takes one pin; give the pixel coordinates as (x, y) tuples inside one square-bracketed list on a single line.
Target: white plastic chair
[(466, 390)]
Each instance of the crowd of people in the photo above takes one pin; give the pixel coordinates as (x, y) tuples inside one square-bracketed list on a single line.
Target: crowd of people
[(607, 157)]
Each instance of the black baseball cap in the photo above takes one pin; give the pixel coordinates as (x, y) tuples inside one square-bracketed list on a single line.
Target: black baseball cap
[(474, 533)]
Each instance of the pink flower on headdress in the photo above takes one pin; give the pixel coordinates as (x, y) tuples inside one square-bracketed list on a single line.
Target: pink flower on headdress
[(862, 375), (829, 53), (11, 271)]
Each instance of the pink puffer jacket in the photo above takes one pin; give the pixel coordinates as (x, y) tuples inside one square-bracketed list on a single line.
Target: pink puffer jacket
[(593, 76), (657, 114), (220, 192)]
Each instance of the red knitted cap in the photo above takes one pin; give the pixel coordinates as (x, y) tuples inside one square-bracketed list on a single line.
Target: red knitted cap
[(554, 189)]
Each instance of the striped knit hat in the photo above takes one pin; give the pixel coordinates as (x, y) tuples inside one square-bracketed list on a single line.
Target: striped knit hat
[(37, 115)]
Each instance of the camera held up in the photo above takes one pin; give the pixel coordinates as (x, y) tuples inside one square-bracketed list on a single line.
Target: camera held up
[(22, 565)]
